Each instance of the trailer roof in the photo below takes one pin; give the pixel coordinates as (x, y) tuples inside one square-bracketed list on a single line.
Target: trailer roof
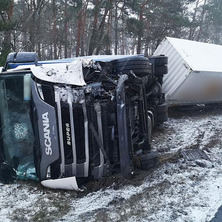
[(198, 55)]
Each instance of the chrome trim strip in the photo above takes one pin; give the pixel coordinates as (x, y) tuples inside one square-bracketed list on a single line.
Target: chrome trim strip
[(70, 101), (39, 90), (152, 119), (57, 100)]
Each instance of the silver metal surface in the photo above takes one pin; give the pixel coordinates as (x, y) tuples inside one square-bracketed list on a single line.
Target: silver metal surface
[(70, 100), (194, 71), (57, 100)]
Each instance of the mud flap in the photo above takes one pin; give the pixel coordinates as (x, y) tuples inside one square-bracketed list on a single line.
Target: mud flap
[(149, 160)]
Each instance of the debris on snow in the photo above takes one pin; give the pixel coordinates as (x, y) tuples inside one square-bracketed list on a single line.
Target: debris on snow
[(178, 190)]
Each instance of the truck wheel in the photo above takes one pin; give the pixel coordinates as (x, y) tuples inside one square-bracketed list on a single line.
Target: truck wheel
[(149, 160), (159, 60), (162, 108), (138, 64), (161, 118), (160, 70)]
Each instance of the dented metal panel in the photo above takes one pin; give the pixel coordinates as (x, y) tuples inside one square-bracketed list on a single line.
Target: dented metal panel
[(67, 73)]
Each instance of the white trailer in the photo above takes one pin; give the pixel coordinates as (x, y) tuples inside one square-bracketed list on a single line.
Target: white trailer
[(194, 72)]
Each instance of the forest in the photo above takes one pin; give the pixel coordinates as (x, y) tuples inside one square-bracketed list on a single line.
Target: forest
[(67, 28)]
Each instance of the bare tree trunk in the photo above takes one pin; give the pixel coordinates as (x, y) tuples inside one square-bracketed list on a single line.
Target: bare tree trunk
[(116, 30), (93, 38), (54, 30), (139, 41), (31, 28), (202, 21), (82, 40), (140, 33), (123, 42), (7, 34), (66, 31), (192, 29), (108, 44), (101, 32), (50, 52), (146, 49), (79, 27), (38, 29)]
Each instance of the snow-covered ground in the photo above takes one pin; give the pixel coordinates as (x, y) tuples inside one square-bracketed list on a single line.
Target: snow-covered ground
[(178, 190)]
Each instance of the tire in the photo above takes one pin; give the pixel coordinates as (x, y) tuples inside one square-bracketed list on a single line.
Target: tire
[(159, 60), (149, 160), (161, 118), (138, 64), (162, 109), (160, 70)]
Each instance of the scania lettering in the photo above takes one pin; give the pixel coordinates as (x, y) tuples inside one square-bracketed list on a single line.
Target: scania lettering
[(46, 130)]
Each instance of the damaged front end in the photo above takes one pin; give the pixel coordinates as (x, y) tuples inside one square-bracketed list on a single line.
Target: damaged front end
[(92, 118), (92, 130)]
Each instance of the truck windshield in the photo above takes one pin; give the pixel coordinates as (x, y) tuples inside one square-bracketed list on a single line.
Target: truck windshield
[(15, 124)]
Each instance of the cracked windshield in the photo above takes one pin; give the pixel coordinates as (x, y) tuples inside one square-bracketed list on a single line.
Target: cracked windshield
[(17, 134)]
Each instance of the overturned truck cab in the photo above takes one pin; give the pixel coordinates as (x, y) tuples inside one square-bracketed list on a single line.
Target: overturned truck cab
[(65, 121)]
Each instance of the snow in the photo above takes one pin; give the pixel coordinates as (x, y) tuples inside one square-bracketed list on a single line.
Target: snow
[(185, 199), (178, 190), (61, 73)]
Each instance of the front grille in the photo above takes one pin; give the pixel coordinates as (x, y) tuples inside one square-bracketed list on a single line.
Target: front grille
[(78, 117), (81, 135), (73, 132), (48, 94), (94, 154), (66, 133)]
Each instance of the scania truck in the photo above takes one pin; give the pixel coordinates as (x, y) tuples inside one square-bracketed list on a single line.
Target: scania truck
[(71, 120)]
